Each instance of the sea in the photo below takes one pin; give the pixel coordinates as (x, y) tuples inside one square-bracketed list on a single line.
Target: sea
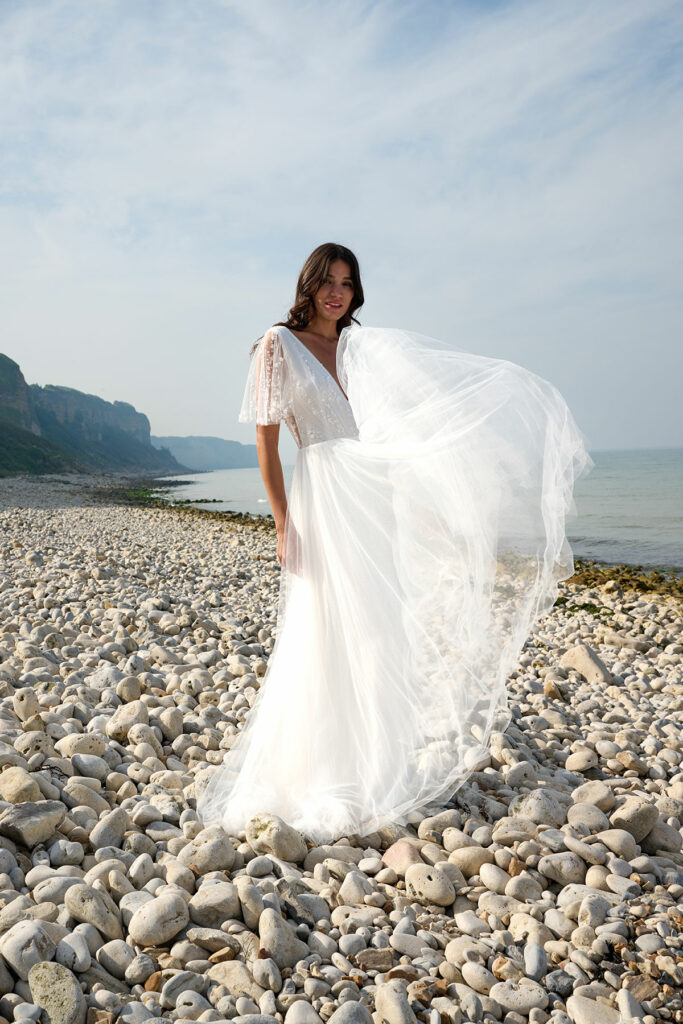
[(629, 507)]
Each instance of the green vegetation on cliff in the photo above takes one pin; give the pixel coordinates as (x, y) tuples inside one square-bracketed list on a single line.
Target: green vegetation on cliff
[(24, 452)]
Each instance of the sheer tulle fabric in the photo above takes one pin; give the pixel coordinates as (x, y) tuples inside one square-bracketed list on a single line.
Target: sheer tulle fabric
[(266, 395), (419, 553)]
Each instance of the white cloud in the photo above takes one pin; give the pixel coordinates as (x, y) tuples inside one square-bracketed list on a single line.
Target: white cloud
[(508, 175)]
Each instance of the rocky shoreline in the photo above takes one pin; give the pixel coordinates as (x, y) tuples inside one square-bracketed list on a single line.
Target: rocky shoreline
[(133, 639)]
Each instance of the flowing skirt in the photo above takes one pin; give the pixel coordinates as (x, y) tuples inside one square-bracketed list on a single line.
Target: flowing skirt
[(418, 557)]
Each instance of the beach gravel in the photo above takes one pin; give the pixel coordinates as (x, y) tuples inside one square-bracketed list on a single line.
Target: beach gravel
[(133, 642)]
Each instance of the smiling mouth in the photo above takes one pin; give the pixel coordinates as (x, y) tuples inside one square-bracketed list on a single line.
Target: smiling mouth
[(333, 305)]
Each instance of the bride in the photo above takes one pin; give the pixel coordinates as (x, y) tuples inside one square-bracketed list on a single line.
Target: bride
[(423, 536)]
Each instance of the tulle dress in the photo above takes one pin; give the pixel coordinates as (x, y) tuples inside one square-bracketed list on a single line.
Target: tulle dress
[(425, 535)]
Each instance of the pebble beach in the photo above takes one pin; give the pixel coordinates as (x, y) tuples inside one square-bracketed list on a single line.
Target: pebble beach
[(133, 641)]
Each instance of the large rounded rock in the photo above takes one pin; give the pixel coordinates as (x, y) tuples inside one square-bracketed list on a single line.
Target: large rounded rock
[(520, 996), (94, 907), (25, 944), (596, 793), (400, 856), (279, 940), (589, 815), (214, 903), (350, 1012), (392, 1006), (636, 816), (110, 829), (430, 884), (301, 1012), (522, 887), (494, 878), (82, 743), (123, 720), (581, 760), (73, 952), (91, 767), (619, 841), (586, 662), (588, 1011), (662, 839), (58, 993), (563, 867), (535, 960), (17, 786), (523, 927), (266, 833), (25, 703), (159, 920), (254, 1018), (234, 974), (210, 850), (478, 977), (470, 859), (116, 957), (540, 806)]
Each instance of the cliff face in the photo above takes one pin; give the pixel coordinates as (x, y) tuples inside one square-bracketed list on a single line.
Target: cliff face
[(90, 414), (15, 397), (84, 431)]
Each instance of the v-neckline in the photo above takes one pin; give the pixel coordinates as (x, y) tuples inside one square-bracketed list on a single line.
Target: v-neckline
[(320, 363)]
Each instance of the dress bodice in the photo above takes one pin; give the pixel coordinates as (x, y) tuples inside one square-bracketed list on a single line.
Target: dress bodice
[(287, 382)]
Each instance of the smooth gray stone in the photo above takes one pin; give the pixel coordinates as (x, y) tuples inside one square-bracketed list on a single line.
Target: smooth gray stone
[(184, 981), (32, 823), (25, 945), (73, 953), (410, 945), (109, 830), (140, 969), (53, 890), (91, 766), (535, 960), (159, 920), (280, 940), (135, 1013), (116, 956)]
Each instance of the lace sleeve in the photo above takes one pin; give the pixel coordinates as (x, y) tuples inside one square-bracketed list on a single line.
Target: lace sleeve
[(266, 393)]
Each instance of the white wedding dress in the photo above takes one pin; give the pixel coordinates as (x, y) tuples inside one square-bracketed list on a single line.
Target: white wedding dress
[(425, 535)]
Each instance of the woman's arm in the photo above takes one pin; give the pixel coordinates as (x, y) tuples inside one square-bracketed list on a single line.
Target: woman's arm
[(267, 438)]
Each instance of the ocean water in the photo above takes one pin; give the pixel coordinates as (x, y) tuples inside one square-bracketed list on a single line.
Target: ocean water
[(629, 507)]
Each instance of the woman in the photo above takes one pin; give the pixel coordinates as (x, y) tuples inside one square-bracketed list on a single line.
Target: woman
[(423, 537)]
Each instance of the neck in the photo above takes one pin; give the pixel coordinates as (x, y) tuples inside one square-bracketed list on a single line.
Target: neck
[(324, 328)]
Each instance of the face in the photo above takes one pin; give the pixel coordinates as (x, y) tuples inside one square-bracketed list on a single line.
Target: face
[(333, 298)]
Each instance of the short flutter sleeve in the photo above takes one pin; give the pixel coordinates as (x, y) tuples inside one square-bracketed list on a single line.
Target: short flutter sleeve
[(266, 393)]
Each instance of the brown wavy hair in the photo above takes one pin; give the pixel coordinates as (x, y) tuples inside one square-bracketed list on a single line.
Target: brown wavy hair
[(312, 276)]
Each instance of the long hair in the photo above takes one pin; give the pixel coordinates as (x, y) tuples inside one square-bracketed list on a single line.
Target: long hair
[(312, 276)]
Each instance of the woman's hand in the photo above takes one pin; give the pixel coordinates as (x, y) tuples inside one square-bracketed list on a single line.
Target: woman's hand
[(289, 549), (280, 545)]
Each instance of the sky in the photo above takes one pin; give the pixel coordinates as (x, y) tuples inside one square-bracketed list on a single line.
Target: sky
[(508, 174)]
